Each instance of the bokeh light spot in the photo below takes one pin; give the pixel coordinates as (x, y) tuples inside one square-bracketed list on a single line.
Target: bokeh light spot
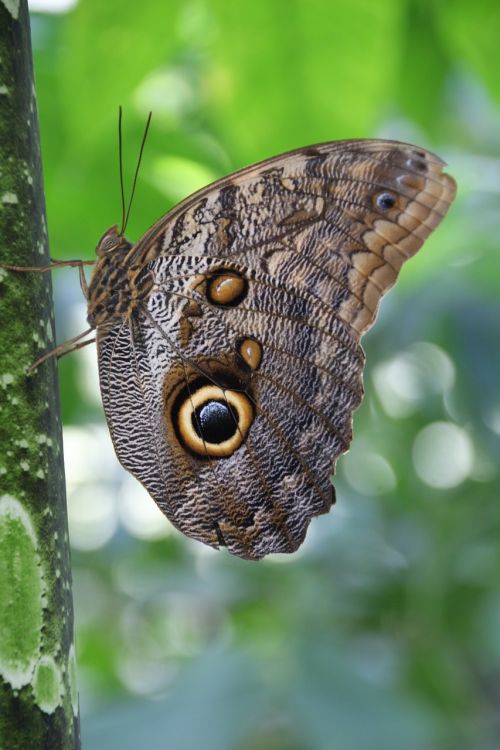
[(139, 514), (92, 516), (368, 472), (443, 455), (176, 177), (402, 383)]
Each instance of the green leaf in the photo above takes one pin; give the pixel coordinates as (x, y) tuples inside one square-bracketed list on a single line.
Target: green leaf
[(472, 31), (289, 74)]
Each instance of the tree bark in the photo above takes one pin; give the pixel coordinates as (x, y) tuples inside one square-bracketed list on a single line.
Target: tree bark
[(38, 697)]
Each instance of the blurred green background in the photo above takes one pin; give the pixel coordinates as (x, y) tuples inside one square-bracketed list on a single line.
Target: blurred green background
[(383, 631)]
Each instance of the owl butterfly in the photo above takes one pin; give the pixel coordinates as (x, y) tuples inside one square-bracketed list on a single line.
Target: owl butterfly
[(228, 336)]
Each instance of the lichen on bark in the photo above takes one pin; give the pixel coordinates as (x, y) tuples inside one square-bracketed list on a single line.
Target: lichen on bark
[(38, 704)]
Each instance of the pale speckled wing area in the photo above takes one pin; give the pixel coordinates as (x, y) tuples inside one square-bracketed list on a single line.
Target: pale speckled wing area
[(306, 244)]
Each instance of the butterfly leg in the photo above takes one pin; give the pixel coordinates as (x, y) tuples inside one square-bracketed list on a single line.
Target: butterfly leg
[(83, 282), (65, 348), (53, 264), (57, 264)]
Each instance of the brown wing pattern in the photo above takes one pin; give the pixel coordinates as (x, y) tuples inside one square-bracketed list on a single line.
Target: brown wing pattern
[(230, 388)]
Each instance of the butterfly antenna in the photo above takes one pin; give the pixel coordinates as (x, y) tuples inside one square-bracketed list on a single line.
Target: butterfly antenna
[(124, 224), (120, 162)]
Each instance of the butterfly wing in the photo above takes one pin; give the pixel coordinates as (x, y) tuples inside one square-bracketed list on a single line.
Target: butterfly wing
[(229, 391)]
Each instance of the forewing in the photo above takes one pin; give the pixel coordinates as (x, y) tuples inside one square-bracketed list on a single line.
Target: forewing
[(315, 218)]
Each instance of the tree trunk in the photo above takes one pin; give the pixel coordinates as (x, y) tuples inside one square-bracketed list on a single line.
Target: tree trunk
[(38, 697)]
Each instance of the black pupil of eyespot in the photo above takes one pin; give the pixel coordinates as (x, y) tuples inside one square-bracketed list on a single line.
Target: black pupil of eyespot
[(215, 421), (386, 200)]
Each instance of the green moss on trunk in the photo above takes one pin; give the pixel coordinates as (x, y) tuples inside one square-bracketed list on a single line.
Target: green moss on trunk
[(38, 701)]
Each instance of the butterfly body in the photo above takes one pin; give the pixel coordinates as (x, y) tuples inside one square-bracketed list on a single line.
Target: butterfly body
[(228, 336)]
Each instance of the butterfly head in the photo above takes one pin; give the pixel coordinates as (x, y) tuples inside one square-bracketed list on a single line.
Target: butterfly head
[(111, 242)]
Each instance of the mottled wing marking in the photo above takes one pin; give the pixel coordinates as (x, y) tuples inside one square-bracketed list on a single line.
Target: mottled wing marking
[(319, 235)]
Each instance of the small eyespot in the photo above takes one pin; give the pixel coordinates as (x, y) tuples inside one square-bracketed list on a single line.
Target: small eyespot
[(227, 288), (250, 351), (419, 164), (385, 201)]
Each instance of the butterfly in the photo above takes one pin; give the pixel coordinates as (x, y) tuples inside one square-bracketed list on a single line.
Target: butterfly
[(228, 336)]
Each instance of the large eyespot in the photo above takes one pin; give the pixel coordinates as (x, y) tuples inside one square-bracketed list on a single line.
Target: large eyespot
[(226, 287), (385, 201), (212, 421)]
